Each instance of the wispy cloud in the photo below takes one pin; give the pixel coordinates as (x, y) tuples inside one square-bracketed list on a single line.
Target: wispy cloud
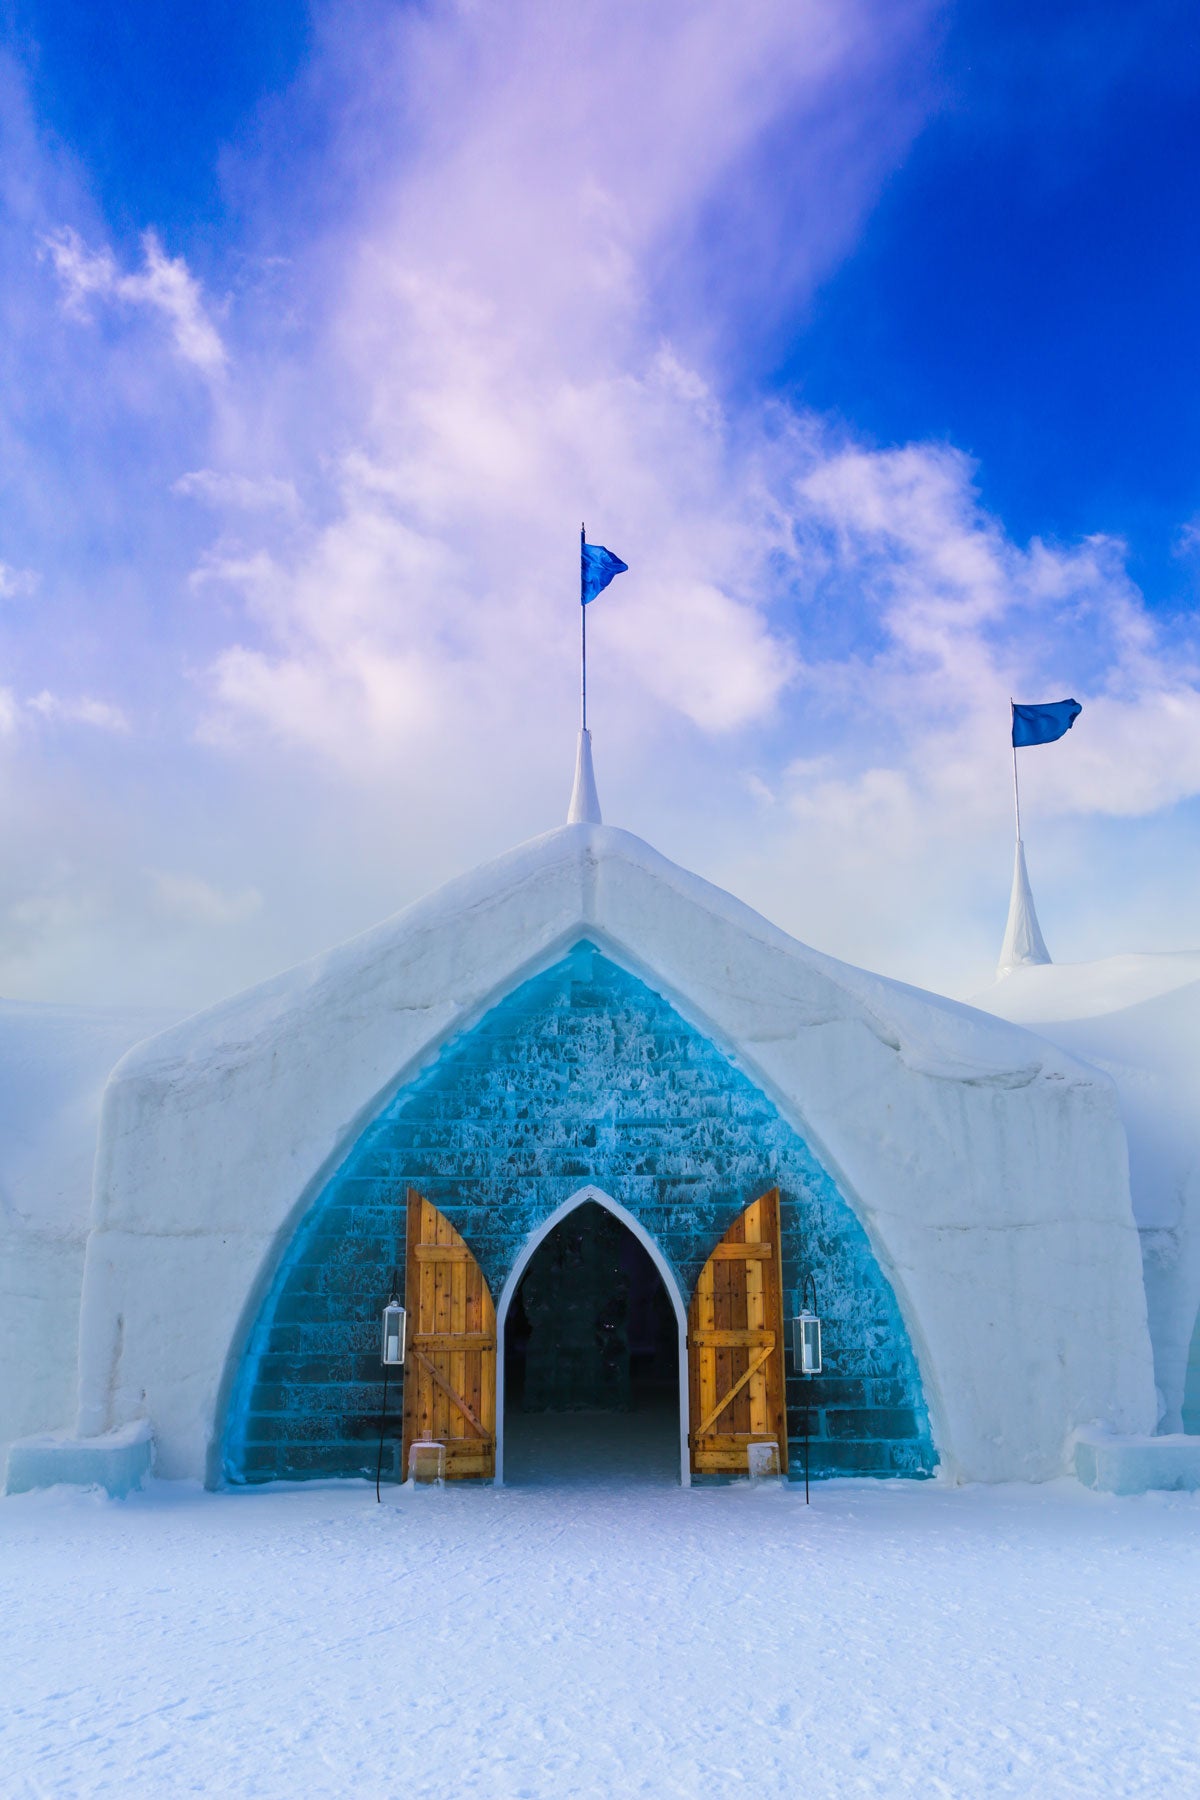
[(520, 334), (239, 493), (17, 583), (164, 284), (970, 618), (194, 901), (101, 714)]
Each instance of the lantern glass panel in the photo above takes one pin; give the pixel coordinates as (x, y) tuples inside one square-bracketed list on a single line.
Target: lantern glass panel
[(806, 1343)]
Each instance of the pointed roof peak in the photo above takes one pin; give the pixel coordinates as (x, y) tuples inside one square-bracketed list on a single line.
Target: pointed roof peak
[(1023, 946), (585, 802)]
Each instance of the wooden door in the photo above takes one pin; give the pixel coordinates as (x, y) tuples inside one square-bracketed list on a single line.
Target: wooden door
[(450, 1369), (735, 1345)]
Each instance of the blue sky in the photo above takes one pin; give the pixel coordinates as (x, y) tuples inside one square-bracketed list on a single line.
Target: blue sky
[(1029, 282), (864, 333)]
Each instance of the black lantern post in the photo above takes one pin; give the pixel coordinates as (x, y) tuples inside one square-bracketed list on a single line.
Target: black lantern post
[(806, 1353), (392, 1347)]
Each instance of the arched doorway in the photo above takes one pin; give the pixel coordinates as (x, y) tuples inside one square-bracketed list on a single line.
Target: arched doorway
[(592, 1370), (496, 1138)]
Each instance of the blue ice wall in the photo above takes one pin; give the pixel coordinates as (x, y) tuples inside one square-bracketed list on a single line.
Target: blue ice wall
[(583, 1074), (1191, 1385)]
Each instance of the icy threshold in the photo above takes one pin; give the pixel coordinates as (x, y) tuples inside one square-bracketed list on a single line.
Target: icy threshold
[(600, 1639), (590, 1448)]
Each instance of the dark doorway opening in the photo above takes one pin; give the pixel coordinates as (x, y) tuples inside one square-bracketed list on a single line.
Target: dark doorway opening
[(591, 1359)]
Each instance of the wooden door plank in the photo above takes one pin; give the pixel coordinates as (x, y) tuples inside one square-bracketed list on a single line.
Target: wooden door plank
[(703, 1371), (453, 1340), (458, 1362), (487, 1368), (778, 1381), (472, 1326), (740, 1338), (755, 1410), (741, 1357)]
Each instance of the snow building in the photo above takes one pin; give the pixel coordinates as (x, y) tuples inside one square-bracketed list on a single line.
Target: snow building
[(54, 1063), (1137, 1018), (603, 1121)]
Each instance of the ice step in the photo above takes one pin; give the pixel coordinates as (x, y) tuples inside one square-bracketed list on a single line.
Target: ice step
[(117, 1460), (1135, 1465)]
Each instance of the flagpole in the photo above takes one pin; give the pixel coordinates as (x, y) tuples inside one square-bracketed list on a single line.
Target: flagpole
[(1016, 789), (583, 619)]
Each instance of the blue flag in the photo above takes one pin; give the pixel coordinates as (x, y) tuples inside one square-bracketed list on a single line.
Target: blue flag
[(1043, 724), (597, 566)]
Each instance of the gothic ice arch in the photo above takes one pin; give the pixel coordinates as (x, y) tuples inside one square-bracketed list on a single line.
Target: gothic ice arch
[(669, 1281)]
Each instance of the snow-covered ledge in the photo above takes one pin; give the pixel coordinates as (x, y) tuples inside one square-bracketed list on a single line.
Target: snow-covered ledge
[(116, 1460), (1136, 1465)]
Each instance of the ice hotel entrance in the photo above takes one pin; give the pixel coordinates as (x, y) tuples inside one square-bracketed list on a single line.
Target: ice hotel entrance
[(600, 1217), (581, 1057), (591, 1364)]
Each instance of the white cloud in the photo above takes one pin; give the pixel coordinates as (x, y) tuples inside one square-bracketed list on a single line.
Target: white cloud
[(971, 618), (164, 284), (8, 712), (82, 711), (17, 583), (500, 362), (545, 305)]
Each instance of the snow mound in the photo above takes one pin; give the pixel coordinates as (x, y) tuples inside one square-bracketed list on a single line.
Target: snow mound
[(1031, 995)]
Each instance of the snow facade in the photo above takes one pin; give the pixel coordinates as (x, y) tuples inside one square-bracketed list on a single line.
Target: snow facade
[(1137, 1018), (54, 1063), (962, 1184), (583, 1075)]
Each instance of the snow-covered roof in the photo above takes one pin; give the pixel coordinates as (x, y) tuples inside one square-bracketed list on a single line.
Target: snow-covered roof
[(943, 1127), (599, 880)]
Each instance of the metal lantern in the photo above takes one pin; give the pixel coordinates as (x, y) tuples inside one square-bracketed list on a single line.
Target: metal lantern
[(806, 1333), (395, 1333), (806, 1343)]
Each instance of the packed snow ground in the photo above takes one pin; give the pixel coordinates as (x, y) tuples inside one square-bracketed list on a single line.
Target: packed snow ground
[(594, 1638)]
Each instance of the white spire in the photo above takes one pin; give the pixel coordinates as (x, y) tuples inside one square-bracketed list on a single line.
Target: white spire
[(585, 802), (1023, 944)]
